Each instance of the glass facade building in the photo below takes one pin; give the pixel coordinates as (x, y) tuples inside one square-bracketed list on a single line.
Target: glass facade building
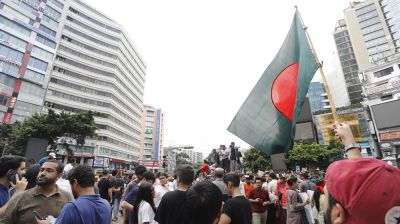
[(29, 31), (391, 10), (372, 28), (348, 61), (318, 97)]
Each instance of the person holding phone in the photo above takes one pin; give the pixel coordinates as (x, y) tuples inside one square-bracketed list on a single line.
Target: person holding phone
[(46, 198), (12, 170), (88, 208)]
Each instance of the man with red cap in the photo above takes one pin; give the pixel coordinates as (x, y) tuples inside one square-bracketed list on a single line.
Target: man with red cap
[(360, 190)]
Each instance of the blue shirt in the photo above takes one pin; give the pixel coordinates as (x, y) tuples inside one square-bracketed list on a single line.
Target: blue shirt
[(87, 209), (5, 195), (130, 197)]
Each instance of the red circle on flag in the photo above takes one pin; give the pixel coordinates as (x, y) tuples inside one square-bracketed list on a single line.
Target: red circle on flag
[(284, 90)]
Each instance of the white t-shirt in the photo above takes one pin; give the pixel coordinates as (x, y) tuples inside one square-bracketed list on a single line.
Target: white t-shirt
[(64, 185), (159, 193), (146, 213), (272, 185), (68, 167)]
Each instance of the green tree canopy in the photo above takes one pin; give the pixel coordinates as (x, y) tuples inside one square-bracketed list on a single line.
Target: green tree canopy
[(50, 126), (255, 160), (313, 155)]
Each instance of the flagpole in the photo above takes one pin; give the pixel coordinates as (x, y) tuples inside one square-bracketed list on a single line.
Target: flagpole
[(325, 83)]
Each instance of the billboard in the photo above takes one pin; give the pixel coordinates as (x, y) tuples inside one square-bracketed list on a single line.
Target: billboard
[(386, 115), (353, 117)]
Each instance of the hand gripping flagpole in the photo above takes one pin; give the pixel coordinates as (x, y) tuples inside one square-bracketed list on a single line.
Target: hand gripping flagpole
[(325, 83)]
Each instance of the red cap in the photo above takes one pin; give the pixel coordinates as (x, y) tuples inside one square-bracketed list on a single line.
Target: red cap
[(368, 189)]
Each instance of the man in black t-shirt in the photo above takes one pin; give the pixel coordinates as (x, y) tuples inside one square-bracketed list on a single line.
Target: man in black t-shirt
[(105, 188), (172, 208), (238, 209), (118, 189)]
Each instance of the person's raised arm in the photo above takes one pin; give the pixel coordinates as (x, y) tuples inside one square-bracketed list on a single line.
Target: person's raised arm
[(344, 134)]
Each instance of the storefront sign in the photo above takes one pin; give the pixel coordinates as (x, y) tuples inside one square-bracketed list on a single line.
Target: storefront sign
[(106, 162), (385, 145), (364, 144), (391, 86), (117, 161), (377, 89), (98, 162), (394, 82), (389, 136), (83, 154)]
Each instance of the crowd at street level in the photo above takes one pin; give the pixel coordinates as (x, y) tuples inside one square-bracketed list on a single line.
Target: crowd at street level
[(346, 193)]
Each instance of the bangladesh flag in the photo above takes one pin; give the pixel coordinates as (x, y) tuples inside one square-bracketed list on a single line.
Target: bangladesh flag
[(267, 119)]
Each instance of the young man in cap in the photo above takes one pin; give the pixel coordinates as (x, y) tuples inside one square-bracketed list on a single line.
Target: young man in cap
[(360, 190)]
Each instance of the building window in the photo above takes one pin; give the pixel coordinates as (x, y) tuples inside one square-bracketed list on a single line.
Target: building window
[(45, 41), (57, 3), (3, 100), (47, 30), (11, 53), (38, 64), (7, 80), (383, 72), (10, 38), (8, 68), (34, 76), (50, 21), (43, 53), (14, 26)]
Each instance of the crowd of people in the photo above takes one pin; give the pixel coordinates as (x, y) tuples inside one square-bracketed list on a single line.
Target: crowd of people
[(228, 159), (355, 190)]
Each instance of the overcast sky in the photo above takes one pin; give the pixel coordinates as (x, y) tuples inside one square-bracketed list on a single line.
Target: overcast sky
[(204, 57)]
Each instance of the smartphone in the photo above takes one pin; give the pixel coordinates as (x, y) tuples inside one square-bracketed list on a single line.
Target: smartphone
[(39, 216), (11, 176)]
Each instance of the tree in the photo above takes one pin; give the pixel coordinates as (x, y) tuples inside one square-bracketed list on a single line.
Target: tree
[(312, 155), (52, 127), (255, 160)]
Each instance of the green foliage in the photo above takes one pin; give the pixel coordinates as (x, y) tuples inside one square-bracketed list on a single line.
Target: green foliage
[(50, 126), (313, 155), (255, 160)]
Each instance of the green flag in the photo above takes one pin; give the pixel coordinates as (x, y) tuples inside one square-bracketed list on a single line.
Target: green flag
[(267, 119)]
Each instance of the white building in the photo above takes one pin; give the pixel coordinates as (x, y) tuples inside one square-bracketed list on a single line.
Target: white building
[(98, 68), (381, 85), (151, 150)]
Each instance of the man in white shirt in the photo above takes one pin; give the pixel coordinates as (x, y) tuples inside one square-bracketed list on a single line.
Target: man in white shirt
[(272, 186), (161, 189), (272, 183), (70, 165)]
